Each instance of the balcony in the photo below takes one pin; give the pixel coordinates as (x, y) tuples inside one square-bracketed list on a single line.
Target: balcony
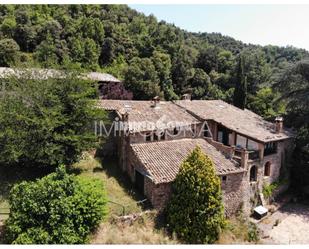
[(254, 155)]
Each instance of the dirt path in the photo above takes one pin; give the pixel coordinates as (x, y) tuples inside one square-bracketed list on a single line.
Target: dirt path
[(289, 225)]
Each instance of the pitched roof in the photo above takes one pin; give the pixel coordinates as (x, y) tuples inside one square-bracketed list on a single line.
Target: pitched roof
[(161, 160), (42, 73), (241, 121), (102, 77), (144, 116)]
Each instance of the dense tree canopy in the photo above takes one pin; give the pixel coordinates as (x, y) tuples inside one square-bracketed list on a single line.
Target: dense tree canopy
[(154, 58), (46, 122), (294, 85)]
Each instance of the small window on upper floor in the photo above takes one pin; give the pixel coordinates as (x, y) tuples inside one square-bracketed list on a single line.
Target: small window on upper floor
[(193, 132), (176, 131), (162, 136), (148, 137), (155, 136), (270, 148), (206, 133), (223, 178)]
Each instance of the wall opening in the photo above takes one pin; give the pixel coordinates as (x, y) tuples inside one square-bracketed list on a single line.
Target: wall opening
[(267, 169), (253, 173), (139, 181), (148, 137), (176, 131)]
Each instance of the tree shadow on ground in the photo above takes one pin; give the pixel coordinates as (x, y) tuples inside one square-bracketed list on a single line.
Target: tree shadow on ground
[(112, 169), (10, 175), (298, 208)]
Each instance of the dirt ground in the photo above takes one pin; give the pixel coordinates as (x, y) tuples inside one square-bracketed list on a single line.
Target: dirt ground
[(288, 225)]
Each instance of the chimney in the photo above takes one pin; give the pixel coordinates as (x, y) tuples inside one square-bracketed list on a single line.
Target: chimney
[(279, 124), (186, 96), (156, 101)]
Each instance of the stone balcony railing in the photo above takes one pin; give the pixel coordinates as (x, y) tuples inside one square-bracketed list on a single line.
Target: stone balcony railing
[(242, 156), (228, 151)]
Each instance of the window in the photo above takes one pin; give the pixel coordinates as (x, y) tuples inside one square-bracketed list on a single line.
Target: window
[(176, 131), (162, 136), (224, 178), (252, 145), (253, 173), (206, 132), (241, 141), (148, 137), (270, 148), (193, 132), (220, 136), (155, 136), (223, 135), (267, 169)]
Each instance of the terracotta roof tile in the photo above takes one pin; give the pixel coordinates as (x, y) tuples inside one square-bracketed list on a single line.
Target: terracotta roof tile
[(143, 114), (242, 121), (161, 160)]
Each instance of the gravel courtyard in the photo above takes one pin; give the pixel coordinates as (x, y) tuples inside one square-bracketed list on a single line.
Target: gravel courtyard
[(289, 225)]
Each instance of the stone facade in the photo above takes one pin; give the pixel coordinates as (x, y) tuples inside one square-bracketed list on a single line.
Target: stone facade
[(233, 186), (241, 189), (239, 193)]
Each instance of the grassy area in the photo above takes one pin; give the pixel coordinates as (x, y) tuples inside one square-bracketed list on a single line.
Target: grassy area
[(118, 186), (146, 230), (238, 231)]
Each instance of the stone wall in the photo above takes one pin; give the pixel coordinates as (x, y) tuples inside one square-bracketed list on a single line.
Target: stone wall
[(234, 197), (158, 194), (277, 161), (109, 147), (228, 151), (238, 191)]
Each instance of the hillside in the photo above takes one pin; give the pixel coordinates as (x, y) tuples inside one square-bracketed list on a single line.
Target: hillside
[(154, 58)]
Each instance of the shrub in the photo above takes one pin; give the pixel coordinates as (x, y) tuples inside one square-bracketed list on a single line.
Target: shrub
[(195, 212), (57, 209), (269, 189), (253, 233)]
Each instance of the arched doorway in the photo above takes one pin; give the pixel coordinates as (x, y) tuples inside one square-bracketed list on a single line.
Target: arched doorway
[(253, 173), (267, 169)]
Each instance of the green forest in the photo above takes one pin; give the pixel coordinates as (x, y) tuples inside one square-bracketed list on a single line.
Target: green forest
[(154, 58)]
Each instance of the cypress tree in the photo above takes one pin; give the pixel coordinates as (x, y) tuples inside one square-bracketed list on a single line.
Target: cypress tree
[(240, 94), (195, 212)]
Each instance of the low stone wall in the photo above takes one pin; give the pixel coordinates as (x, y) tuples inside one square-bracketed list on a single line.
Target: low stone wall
[(228, 151)]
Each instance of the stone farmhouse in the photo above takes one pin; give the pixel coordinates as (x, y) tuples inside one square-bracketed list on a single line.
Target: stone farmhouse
[(152, 138)]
